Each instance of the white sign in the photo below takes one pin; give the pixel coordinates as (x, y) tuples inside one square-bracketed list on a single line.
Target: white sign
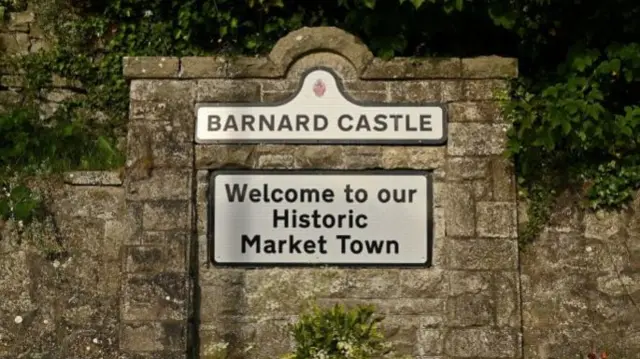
[(321, 112), (333, 217)]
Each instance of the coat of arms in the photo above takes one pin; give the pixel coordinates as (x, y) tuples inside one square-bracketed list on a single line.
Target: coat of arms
[(319, 88)]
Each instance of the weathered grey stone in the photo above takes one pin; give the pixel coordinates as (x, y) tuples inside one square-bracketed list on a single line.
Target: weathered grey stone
[(220, 156), (103, 203), (94, 178), (503, 175), (277, 97), (154, 297), (17, 43), (496, 219), (166, 215), (470, 310), (342, 67), (163, 184), (483, 111), (172, 256), (478, 139), (229, 67), (413, 157), (459, 210), (465, 168), (478, 90), (19, 21), (489, 67), (601, 225), (361, 157), (14, 283), (268, 161), (153, 336), (12, 81), (481, 254), (61, 95), (150, 67), (422, 283), (169, 91), (372, 283), (430, 341), (413, 68), (237, 91), (433, 308), (427, 91), (481, 342), (330, 39), (507, 299), (318, 156)]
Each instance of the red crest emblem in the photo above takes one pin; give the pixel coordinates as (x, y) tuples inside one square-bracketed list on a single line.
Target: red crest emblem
[(319, 88)]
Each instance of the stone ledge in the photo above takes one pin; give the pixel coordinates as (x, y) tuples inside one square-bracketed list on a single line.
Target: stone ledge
[(93, 178), (150, 67), (305, 41)]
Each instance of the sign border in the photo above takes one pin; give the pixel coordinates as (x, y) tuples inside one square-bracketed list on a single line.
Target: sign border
[(320, 172), (339, 84)]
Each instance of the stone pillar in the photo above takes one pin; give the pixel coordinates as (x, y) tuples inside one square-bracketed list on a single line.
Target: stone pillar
[(159, 195), (466, 305)]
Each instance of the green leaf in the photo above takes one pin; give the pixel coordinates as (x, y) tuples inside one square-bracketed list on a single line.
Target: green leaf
[(371, 4), (417, 3)]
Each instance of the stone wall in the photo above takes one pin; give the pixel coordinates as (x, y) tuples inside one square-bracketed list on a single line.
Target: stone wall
[(581, 284), (466, 305), (137, 282), (64, 306), (21, 35)]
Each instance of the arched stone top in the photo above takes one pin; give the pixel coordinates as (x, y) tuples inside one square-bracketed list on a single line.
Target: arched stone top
[(315, 40), (308, 40)]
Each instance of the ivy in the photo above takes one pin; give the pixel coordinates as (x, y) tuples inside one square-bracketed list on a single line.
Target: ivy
[(574, 109)]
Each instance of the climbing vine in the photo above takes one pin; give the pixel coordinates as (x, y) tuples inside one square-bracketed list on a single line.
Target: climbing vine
[(574, 109)]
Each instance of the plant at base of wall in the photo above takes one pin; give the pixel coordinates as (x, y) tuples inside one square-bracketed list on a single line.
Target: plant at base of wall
[(339, 333)]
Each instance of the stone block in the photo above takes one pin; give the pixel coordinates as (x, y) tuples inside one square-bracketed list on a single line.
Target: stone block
[(318, 156), (413, 68), (504, 183), (228, 67), (221, 156), (467, 168), (423, 283), (166, 215), (411, 92), (104, 203), (276, 97), (430, 311), (507, 299), (459, 210), (176, 92), (481, 254), (476, 139), (94, 178), (216, 301), (602, 225), (361, 157), (152, 297), (170, 257), (374, 283), (489, 67), (479, 90), (166, 336), (15, 44), (228, 91), (269, 161), (150, 67), (483, 111), (164, 184), (19, 21), (497, 219), (413, 157), (14, 283), (470, 310), (429, 342), (482, 342), (324, 40)]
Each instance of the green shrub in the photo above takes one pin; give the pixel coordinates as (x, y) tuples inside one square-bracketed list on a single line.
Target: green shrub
[(339, 333)]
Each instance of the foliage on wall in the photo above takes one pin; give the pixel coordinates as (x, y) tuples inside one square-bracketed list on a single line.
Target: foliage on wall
[(575, 112)]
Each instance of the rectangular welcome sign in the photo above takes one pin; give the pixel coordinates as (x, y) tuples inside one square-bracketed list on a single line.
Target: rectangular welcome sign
[(321, 217), (321, 112)]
